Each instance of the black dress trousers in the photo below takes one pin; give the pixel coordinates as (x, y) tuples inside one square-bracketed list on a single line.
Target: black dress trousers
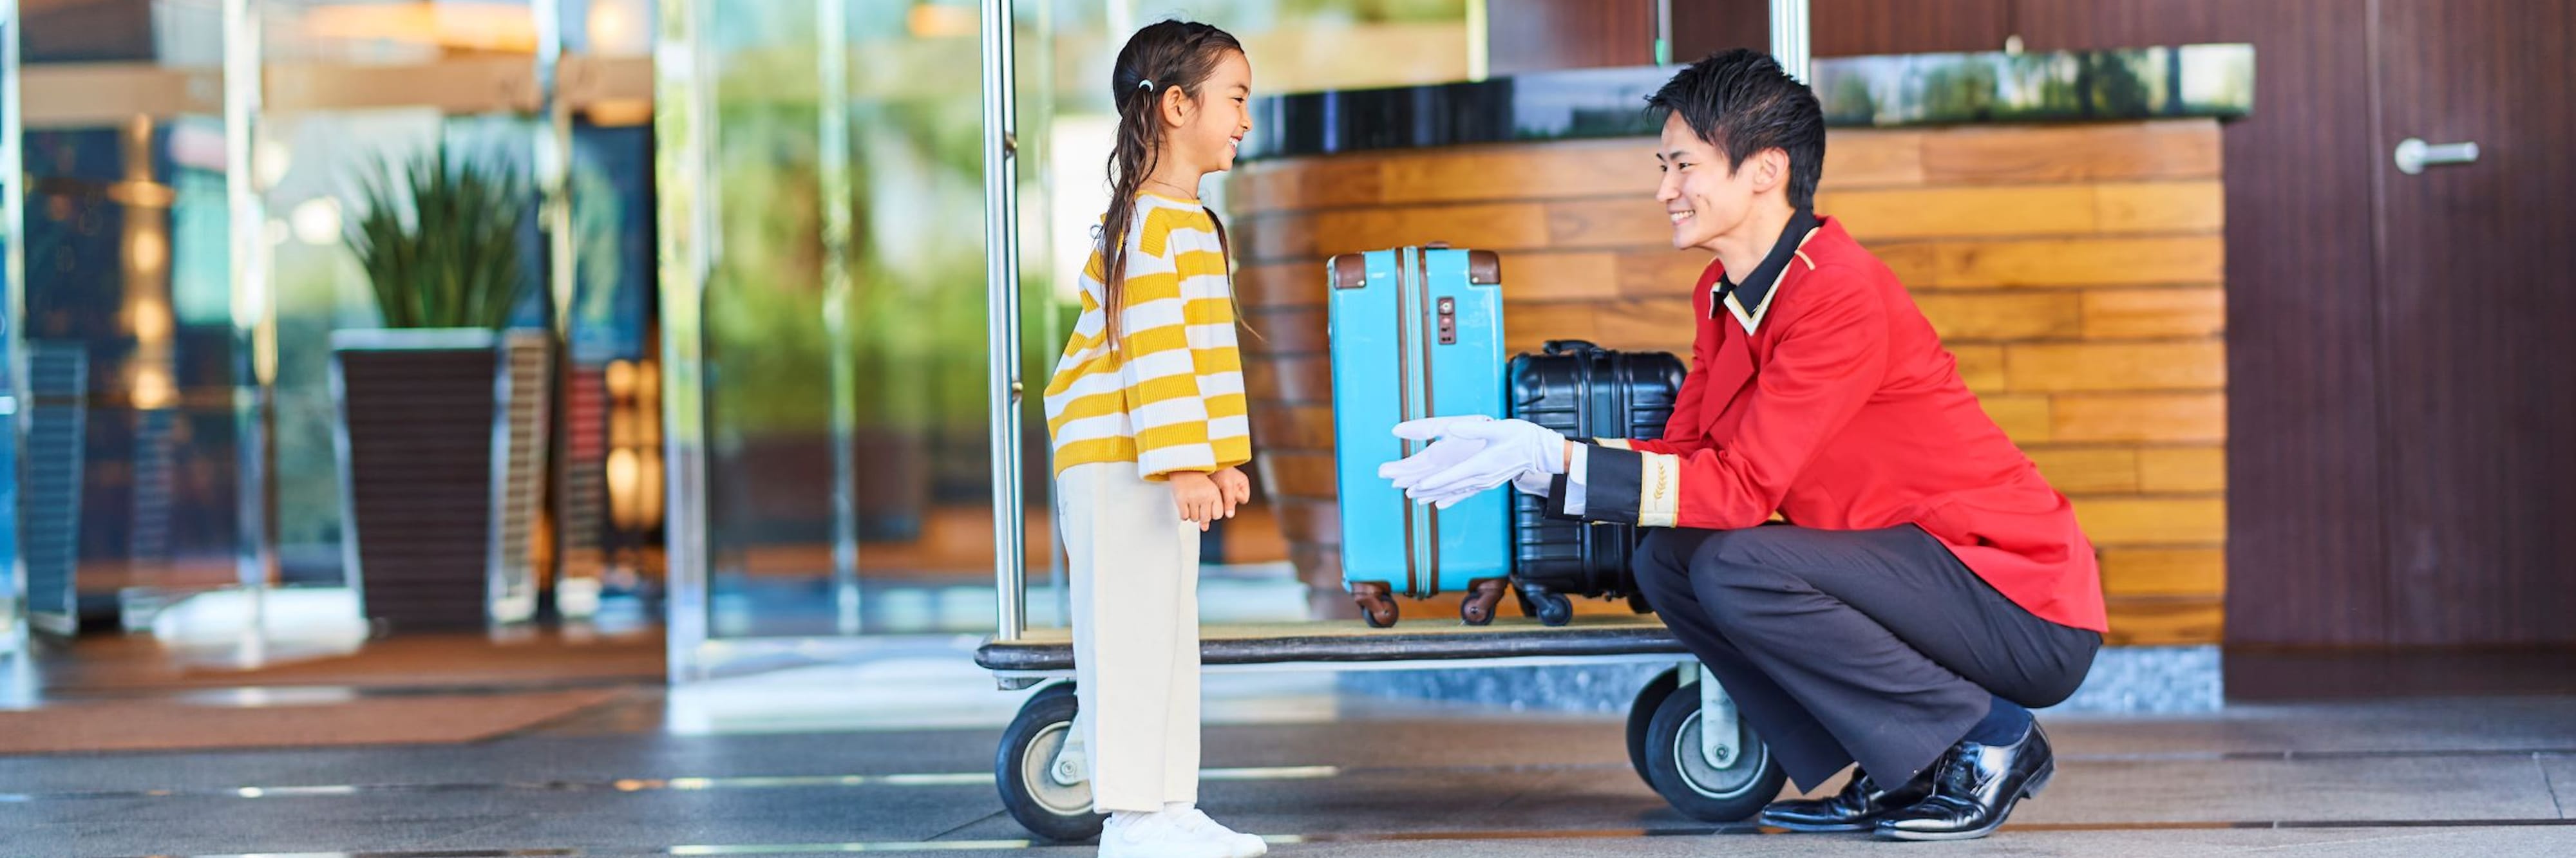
[(1874, 646)]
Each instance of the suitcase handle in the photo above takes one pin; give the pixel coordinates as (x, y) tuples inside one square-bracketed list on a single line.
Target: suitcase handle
[(1561, 347)]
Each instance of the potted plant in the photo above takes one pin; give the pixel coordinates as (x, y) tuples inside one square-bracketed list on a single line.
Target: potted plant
[(442, 436)]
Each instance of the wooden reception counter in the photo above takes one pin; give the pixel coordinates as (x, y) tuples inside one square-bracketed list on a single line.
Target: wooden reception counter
[(2074, 267)]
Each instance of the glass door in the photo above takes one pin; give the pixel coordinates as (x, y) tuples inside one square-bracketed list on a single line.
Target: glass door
[(825, 374)]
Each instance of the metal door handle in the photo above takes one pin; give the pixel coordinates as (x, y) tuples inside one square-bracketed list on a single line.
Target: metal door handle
[(2413, 154)]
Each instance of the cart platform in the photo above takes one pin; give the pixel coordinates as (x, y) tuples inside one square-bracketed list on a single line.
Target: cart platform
[(1354, 642)]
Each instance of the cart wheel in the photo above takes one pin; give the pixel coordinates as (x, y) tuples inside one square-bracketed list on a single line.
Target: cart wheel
[(1677, 770), (1023, 768), (1376, 606), (1554, 609), (1642, 713), (1483, 596)]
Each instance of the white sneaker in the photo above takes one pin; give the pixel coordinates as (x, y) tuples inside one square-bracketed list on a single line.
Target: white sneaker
[(1237, 844), (1156, 835)]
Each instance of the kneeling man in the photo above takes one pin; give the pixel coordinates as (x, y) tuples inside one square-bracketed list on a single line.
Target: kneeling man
[(1921, 585)]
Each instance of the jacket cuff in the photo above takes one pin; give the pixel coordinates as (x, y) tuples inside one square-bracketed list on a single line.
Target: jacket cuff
[(1625, 487), (1610, 486), (1557, 497)]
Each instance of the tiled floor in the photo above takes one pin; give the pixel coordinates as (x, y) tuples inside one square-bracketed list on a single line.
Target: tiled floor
[(796, 763), (894, 752)]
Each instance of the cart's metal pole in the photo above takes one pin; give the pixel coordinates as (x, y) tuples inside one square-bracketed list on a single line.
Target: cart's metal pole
[(1789, 36), (1002, 319), (833, 25)]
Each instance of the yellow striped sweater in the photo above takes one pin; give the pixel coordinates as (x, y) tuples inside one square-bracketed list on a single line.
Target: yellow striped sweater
[(1171, 397)]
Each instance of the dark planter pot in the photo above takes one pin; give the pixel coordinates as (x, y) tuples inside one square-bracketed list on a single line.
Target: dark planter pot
[(442, 448)]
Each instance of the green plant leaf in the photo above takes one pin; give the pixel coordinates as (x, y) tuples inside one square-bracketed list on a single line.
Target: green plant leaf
[(440, 239)]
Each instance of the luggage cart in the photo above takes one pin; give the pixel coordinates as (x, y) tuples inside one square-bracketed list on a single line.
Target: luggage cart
[(1684, 737)]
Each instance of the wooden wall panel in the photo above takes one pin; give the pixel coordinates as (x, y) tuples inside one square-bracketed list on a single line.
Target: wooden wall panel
[(2141, 417), (2088, 470), (1704, 27), (86, 31), (1285, 330), (2165, 621), (2027, 418), (1540, 35), (1293, 427), (1969, 316), (2192, 207), (1981, 367), (2095, 367), (2182, 469), (2131, 572), (1951, 212), (1609, 168), (1879, 159), (2146, 313), (2004, 154), (2131, 521), (2079, 262), (1615, 169), (1843, 28), (1298, 474)]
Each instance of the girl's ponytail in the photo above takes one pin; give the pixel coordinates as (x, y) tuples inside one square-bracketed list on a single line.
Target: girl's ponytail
[(1130, 161)]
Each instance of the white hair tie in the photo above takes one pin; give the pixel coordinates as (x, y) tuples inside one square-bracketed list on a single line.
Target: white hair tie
[(1147, 83)]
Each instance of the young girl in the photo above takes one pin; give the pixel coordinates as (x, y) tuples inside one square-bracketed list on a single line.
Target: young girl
[(1147, 413)]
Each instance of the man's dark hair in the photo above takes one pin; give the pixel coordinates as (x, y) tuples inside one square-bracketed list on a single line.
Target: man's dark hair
[(1742, 102)]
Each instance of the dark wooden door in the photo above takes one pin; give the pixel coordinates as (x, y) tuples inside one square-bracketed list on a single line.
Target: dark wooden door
[(2477, 321), (2305, 518)]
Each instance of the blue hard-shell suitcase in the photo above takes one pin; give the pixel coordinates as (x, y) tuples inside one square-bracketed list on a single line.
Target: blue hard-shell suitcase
[(1416, 332)]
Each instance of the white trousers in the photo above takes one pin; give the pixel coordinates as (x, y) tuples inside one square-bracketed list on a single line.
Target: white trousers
[(1135, 570)]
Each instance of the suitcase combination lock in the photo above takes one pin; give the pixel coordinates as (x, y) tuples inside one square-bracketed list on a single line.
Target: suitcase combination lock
[(1448, 321)]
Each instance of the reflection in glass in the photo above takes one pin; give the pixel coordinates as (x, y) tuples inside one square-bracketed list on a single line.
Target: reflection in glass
[(128, 345), (842, 317)]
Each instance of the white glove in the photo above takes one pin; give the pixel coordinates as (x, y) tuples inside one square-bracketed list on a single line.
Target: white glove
[(1440, 456), (1534, 482), (1511, 448)]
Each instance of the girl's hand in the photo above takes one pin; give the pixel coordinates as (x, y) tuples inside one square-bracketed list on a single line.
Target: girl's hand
[(1197, 497), (1237, 488)]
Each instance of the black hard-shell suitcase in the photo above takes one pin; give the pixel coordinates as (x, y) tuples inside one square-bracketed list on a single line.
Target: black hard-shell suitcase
[(1584, 391)]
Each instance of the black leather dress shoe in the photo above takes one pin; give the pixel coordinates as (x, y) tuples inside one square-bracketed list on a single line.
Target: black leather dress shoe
[(1859, 805), (1973, 788)]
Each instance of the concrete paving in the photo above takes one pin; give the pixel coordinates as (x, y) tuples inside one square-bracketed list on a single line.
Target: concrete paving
[(1318, 774)]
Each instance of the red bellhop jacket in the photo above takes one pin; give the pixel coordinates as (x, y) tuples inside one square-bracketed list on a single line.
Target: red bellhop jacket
[(1821, 393)]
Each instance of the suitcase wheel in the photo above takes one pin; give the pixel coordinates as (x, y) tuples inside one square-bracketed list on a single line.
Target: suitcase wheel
[(1483, 596), (1551, 609), (1555, 609), (1377, 606)]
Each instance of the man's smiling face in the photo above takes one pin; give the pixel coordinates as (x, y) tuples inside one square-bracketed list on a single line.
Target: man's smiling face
[(1703, 195)]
